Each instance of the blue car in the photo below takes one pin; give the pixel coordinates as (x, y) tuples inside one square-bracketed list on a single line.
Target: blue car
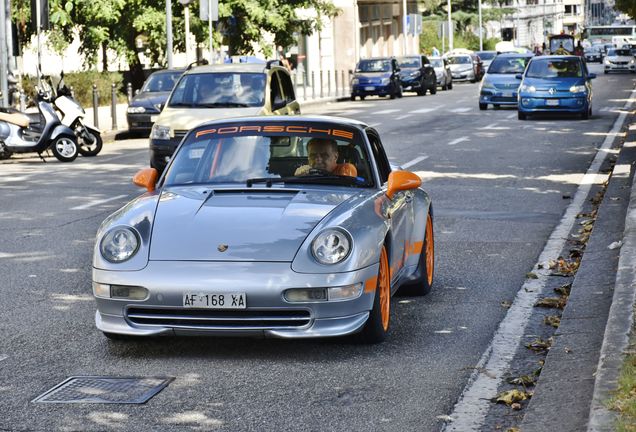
[(558, 84), (376, 76), (500, 84)]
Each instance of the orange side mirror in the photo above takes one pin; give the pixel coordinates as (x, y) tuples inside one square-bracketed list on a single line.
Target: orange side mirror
[(402, 180), (146, 178)]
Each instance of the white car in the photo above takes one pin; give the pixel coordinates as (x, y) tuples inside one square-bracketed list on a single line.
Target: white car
[(619, 60), (442, 72)]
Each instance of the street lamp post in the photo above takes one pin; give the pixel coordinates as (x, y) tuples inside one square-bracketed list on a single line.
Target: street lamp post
[(169, 32)]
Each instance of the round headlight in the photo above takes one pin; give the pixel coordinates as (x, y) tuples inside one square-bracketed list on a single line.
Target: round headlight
[(119, 244), (331, 246)]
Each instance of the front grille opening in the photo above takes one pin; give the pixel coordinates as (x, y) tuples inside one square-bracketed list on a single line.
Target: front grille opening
[(218, 319)]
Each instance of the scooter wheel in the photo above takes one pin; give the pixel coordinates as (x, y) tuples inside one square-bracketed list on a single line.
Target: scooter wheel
[(65, 148), (90, 143)]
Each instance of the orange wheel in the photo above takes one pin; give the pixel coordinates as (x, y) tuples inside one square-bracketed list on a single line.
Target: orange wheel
[(430, 250), (384, 288), (422, 280), (377, 325)]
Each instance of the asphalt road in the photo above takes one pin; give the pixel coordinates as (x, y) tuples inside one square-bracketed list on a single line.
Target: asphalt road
[(498, 186)]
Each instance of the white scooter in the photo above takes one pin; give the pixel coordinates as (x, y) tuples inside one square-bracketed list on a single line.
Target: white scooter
[(37, 132), (72, 115)]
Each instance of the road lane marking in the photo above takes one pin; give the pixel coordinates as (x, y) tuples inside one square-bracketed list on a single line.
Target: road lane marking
[(386, 111), (426, 110), (414, 161), (458, 140), (474, 403), (97, 202), (511, 116), (461, 110), (402, 117)]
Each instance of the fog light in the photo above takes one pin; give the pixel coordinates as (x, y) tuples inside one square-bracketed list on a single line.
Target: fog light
[(101, 290), (128, 292), (305, 295), (525, 101), (345, 293)]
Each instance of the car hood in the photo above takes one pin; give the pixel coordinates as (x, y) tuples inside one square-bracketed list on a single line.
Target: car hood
[(620, 58), (560, 84), (187, 118), (503, 80), (149, 99), (260, 224)]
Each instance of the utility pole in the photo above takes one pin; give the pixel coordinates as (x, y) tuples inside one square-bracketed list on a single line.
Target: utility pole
[(404, 29), (481, 39), (4, 57), (210, 30), (169, 32), (450, 28)]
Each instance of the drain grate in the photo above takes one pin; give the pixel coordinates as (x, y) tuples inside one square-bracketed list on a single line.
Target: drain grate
[(95, 389)]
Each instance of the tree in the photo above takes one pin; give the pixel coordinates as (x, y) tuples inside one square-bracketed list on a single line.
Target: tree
[(119, 24), (626, 6)]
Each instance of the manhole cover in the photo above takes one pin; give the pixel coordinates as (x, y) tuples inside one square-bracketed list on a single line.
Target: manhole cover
[(95, 389)]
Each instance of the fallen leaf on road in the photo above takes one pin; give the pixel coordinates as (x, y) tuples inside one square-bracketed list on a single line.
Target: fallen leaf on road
[(513, 429), (568, 350), (552, 320), (539, 345), (564, 290), (515, 406), (524, 380), (531, 276), (510, 396), (552, 302), (506, 304)]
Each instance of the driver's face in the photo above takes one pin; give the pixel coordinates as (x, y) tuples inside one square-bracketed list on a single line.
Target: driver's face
[(322, 156)]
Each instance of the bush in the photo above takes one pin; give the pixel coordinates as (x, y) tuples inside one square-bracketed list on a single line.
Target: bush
[(429, 38), (82, 85)]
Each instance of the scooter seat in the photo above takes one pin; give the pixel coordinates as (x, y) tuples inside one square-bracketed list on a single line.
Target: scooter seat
[(19, 119)]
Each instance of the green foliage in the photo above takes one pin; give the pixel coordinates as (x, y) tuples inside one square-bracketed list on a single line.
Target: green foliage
[(624, 399), (626, 6), (466, 39), (118, 24), (82, 85)]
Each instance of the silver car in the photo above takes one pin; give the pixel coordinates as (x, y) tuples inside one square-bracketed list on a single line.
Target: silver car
[(289, 227), (442, 72)]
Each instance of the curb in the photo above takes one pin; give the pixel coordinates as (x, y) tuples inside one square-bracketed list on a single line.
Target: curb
[(621, 315)]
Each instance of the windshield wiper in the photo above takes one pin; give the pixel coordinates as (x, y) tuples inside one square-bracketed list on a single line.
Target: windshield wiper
[(332, 179)]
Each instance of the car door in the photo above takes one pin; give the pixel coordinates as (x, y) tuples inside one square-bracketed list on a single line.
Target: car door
[(277, 102), (293, 107), (399, 210)]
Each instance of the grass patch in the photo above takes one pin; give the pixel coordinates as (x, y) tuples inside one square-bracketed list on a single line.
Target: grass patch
[(624, 400)]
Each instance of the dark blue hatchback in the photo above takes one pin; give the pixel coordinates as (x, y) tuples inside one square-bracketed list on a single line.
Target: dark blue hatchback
[(555, 84), (376, 76)]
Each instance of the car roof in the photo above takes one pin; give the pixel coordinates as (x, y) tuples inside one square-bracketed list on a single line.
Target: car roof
[(515, 55), (378, 58), (336, 121), (232, 67), (558, 57), (161, 71)]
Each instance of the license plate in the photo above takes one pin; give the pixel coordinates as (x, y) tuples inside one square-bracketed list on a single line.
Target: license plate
[(153, 118), (552, 102), (506, 94), (215, 301), (370, 88)]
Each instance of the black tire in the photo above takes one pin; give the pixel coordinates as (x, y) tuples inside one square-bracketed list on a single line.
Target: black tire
[(362, 97), (393, 94), (353, 97), (399, 94), (521, 116), (90, 142), (65, 148), (4, 153), (483, 107), (496, 106), (421, 92), (423, 284), (376, 328), (433, 89), (445, 86), (450, 85), (586, 114)]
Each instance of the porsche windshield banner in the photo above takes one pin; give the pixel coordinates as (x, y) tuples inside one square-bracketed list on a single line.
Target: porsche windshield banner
[(314, 130)]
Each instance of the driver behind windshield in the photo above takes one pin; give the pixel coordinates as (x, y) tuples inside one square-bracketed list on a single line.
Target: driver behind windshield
[(323, 159)]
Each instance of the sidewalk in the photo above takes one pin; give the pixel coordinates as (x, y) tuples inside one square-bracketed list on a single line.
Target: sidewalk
[(582, 367)]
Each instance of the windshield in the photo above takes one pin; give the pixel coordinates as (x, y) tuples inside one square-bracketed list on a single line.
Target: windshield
[(561, 68), (161, 82), (374, 66), (622, 52), (485, 55), (247, 154), (410, 62), (508, 65), (437, 63), (562, 43), (459, 60), (219, 90)]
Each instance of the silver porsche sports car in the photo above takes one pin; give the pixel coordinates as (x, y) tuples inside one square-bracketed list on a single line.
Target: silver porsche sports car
[(287, 227)]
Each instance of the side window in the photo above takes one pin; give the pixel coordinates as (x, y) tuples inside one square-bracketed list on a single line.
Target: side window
[(276, 96), (380, 157), (425, 60), (288, 88)]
